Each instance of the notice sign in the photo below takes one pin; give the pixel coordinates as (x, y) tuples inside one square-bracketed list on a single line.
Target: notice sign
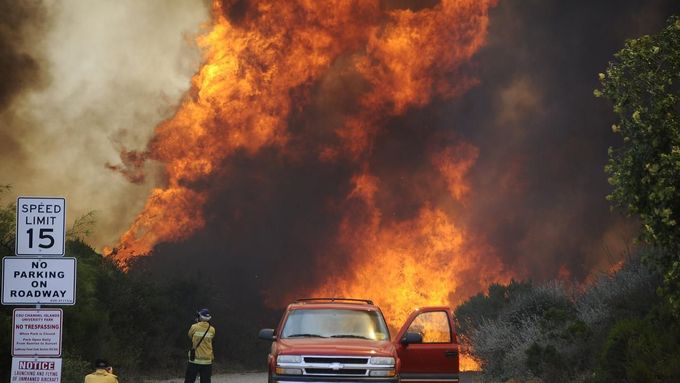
[(38, 281), (40, 226), (37, 332), (36, 370)]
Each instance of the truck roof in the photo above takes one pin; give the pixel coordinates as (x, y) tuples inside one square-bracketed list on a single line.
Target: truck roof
[(335, 303)]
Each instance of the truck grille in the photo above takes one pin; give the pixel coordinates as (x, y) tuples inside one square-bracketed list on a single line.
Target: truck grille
[(328, 371), (343, 360), (335, 366)]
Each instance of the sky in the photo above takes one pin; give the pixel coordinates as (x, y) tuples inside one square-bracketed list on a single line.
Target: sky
[(85, 80)]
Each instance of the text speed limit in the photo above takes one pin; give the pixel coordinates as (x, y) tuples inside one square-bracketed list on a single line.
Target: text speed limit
[(40, 226)]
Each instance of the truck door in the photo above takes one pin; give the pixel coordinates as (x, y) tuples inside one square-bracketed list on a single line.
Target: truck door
[(435, 359)]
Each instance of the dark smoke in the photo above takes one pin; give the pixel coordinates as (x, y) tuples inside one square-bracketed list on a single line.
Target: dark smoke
[(539, 182), (414, 5), (235, 10), (20, 68)]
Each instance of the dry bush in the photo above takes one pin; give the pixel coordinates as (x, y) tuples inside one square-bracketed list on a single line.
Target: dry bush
[(624, 293), (552, 332), (531, 318)]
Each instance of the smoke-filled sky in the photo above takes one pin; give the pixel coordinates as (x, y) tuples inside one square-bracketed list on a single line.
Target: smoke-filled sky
[(80, 80), (504, 150), (543, 138)]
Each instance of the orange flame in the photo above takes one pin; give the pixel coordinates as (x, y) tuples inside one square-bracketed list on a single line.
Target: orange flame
[(258, 69), (403, 264), (467, 360)]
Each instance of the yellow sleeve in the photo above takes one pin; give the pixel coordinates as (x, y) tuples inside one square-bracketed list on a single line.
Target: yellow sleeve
[(192, 330)]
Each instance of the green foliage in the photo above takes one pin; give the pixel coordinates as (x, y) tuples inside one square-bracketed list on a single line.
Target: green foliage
[(546, 361), (642, 350), (7, 225), (74, 369), (82, 227), (5, 342), (643, 83)]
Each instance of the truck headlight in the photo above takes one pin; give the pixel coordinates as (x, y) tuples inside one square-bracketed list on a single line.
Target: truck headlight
[(288, 359), (382, 360), (389, 372)]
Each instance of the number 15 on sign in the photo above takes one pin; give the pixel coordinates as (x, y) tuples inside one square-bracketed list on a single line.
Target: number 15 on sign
[(40, 226)]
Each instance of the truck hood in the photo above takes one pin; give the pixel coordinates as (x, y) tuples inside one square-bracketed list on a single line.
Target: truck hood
[(340, 346)]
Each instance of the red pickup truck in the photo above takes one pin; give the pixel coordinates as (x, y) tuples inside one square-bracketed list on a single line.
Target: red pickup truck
[(338, 340)]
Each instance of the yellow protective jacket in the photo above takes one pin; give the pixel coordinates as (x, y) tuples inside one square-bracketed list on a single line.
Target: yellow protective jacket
[(101, 376), (204, 352)]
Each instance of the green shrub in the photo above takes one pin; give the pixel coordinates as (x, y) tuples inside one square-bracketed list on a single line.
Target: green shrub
[(74, 369), (642, 350), (547, 362)]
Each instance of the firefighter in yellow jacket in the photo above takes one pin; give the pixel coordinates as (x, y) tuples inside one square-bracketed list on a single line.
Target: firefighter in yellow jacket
[(201, 334), (103, 373)]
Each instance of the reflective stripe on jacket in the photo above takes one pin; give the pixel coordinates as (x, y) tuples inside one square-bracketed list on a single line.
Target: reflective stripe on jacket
[(101, 376), (204, 352)]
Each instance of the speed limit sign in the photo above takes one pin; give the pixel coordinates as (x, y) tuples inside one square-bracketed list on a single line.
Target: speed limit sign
[(40, 226)]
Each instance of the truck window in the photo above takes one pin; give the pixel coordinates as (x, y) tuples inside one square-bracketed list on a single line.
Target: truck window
[(335, 323), (432, 326)]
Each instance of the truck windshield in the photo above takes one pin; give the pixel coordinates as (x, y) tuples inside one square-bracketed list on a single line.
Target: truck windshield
[(359, 324)]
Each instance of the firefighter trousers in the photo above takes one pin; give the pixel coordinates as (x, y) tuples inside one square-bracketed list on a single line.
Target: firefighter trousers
[(193, 369)]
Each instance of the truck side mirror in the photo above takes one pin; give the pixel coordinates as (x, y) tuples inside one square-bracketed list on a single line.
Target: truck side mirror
[(267, 334), (411, 337)]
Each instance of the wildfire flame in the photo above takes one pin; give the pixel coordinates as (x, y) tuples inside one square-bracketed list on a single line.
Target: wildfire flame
[(404, 264), (261, 58)]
